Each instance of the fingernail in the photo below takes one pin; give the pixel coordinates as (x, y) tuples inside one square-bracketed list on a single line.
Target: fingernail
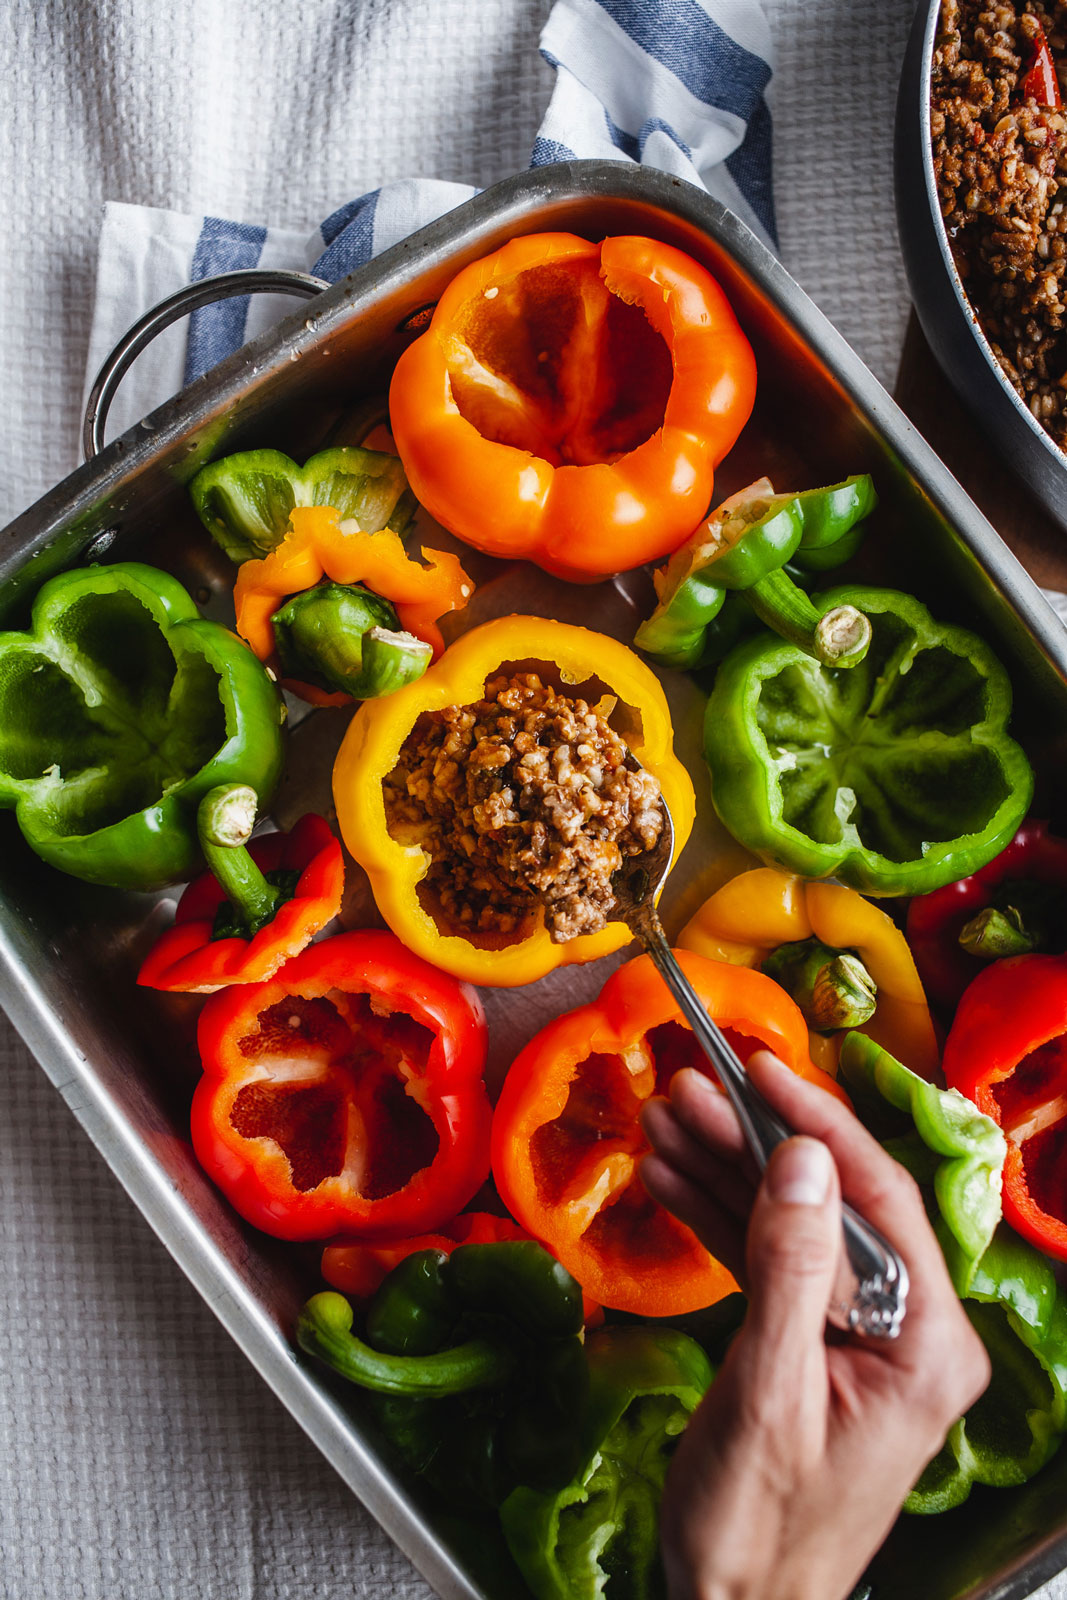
[(799, 1173)]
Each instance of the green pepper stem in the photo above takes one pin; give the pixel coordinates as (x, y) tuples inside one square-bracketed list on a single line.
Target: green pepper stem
[(224, 822), (838, 638), (832, 987), (993, 934), (324, 1329)]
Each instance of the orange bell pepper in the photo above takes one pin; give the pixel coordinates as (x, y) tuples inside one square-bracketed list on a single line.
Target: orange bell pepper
[(756, 912), (318, 546), (567, 1140), (570, 401), (371, 748)]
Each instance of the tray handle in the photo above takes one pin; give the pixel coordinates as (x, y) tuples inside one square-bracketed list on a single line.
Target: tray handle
[(223, 286)]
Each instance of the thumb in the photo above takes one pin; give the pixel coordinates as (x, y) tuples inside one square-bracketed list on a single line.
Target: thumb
[(794, 1247)]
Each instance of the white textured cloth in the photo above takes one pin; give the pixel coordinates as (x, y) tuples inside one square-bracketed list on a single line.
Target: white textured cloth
[(140, 1456)]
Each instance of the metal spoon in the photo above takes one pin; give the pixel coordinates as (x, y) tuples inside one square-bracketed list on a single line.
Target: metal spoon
[(871, 1291)]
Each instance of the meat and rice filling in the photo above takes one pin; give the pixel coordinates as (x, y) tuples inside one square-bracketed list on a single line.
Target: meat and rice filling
[(1000, 159), (521, 800)]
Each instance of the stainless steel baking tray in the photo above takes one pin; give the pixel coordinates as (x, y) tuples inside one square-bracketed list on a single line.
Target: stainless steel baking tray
[(124, 1059)]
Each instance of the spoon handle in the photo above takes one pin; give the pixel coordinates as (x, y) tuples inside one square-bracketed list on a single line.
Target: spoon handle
[(871, 1291)]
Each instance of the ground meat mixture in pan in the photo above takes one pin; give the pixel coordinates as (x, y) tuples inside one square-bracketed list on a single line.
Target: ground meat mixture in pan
[(1001, 164), (521, 800)]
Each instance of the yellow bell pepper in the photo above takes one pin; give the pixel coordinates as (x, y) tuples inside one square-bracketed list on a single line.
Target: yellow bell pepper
[(371, 748), (757, 911)]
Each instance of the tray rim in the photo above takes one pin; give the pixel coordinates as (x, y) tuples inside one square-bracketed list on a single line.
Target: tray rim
[(516, 199)]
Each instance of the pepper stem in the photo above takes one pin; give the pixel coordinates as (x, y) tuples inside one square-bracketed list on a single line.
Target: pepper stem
[(832, 987), (838, 638), (224, 822), (993, 934), (324, 1329)]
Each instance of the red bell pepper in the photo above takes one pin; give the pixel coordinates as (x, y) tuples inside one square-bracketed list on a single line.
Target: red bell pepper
[(1007, 1050), (567, 1140), (345, 1095), (1040, 82), (1014, 906), (257, 906)]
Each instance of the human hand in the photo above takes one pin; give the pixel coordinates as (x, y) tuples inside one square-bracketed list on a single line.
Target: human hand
[(794, 1467)]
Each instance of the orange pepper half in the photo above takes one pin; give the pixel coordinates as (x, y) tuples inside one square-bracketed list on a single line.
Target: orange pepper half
[(567, 1140), (318, 546), (570, 401)]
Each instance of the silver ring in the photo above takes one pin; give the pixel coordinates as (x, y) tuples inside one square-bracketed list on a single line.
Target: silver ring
[(224, 286)]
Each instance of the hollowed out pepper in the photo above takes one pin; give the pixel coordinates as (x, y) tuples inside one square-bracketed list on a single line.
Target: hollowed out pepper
[(119, 710), (896, 776), (371, 627), (255, 908), (600, 1534), (475, 1365), (245, 500), (1017, 905), (345, 1095), (744, 547), (567, 1141), (956, 1154), (766, 915), (1007, 1050), (396, 867), (570, 401)]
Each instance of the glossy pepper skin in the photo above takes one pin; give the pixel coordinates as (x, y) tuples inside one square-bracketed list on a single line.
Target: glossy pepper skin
[(956, 1154), (345, 1095), (755, 913), (192, 957), (895, 777), (743, 547), (1014, 906), (947, 1144), (644, 1384), (1020, 1313), (569, 401), (475, 1363), (245, 500), (317, 546), (119, 709), (567, 1142), (372, 745), (1007, 1050)]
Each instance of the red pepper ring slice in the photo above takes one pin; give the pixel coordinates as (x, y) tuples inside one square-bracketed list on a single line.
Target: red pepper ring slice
[(535, 419), (1007, 1050), (345, 1095), (567, 1140), (188, 959)]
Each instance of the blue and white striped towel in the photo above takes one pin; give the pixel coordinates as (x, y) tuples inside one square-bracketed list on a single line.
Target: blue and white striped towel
[(681, 85)]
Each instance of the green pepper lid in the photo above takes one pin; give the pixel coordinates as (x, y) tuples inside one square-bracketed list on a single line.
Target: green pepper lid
[(244, 500), (343, 638)]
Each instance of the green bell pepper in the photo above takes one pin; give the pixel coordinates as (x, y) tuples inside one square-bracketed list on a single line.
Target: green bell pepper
[(833, 988), (1020, 1313), (244, 500), (952, 1149), (744, 546), (599, 1534), (119, 710), (1009, 1289), (897, 776), (475, 1362), (341, 637)]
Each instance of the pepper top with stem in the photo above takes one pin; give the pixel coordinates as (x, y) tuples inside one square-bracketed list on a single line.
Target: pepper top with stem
[(224, 823), (872, 1288)]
